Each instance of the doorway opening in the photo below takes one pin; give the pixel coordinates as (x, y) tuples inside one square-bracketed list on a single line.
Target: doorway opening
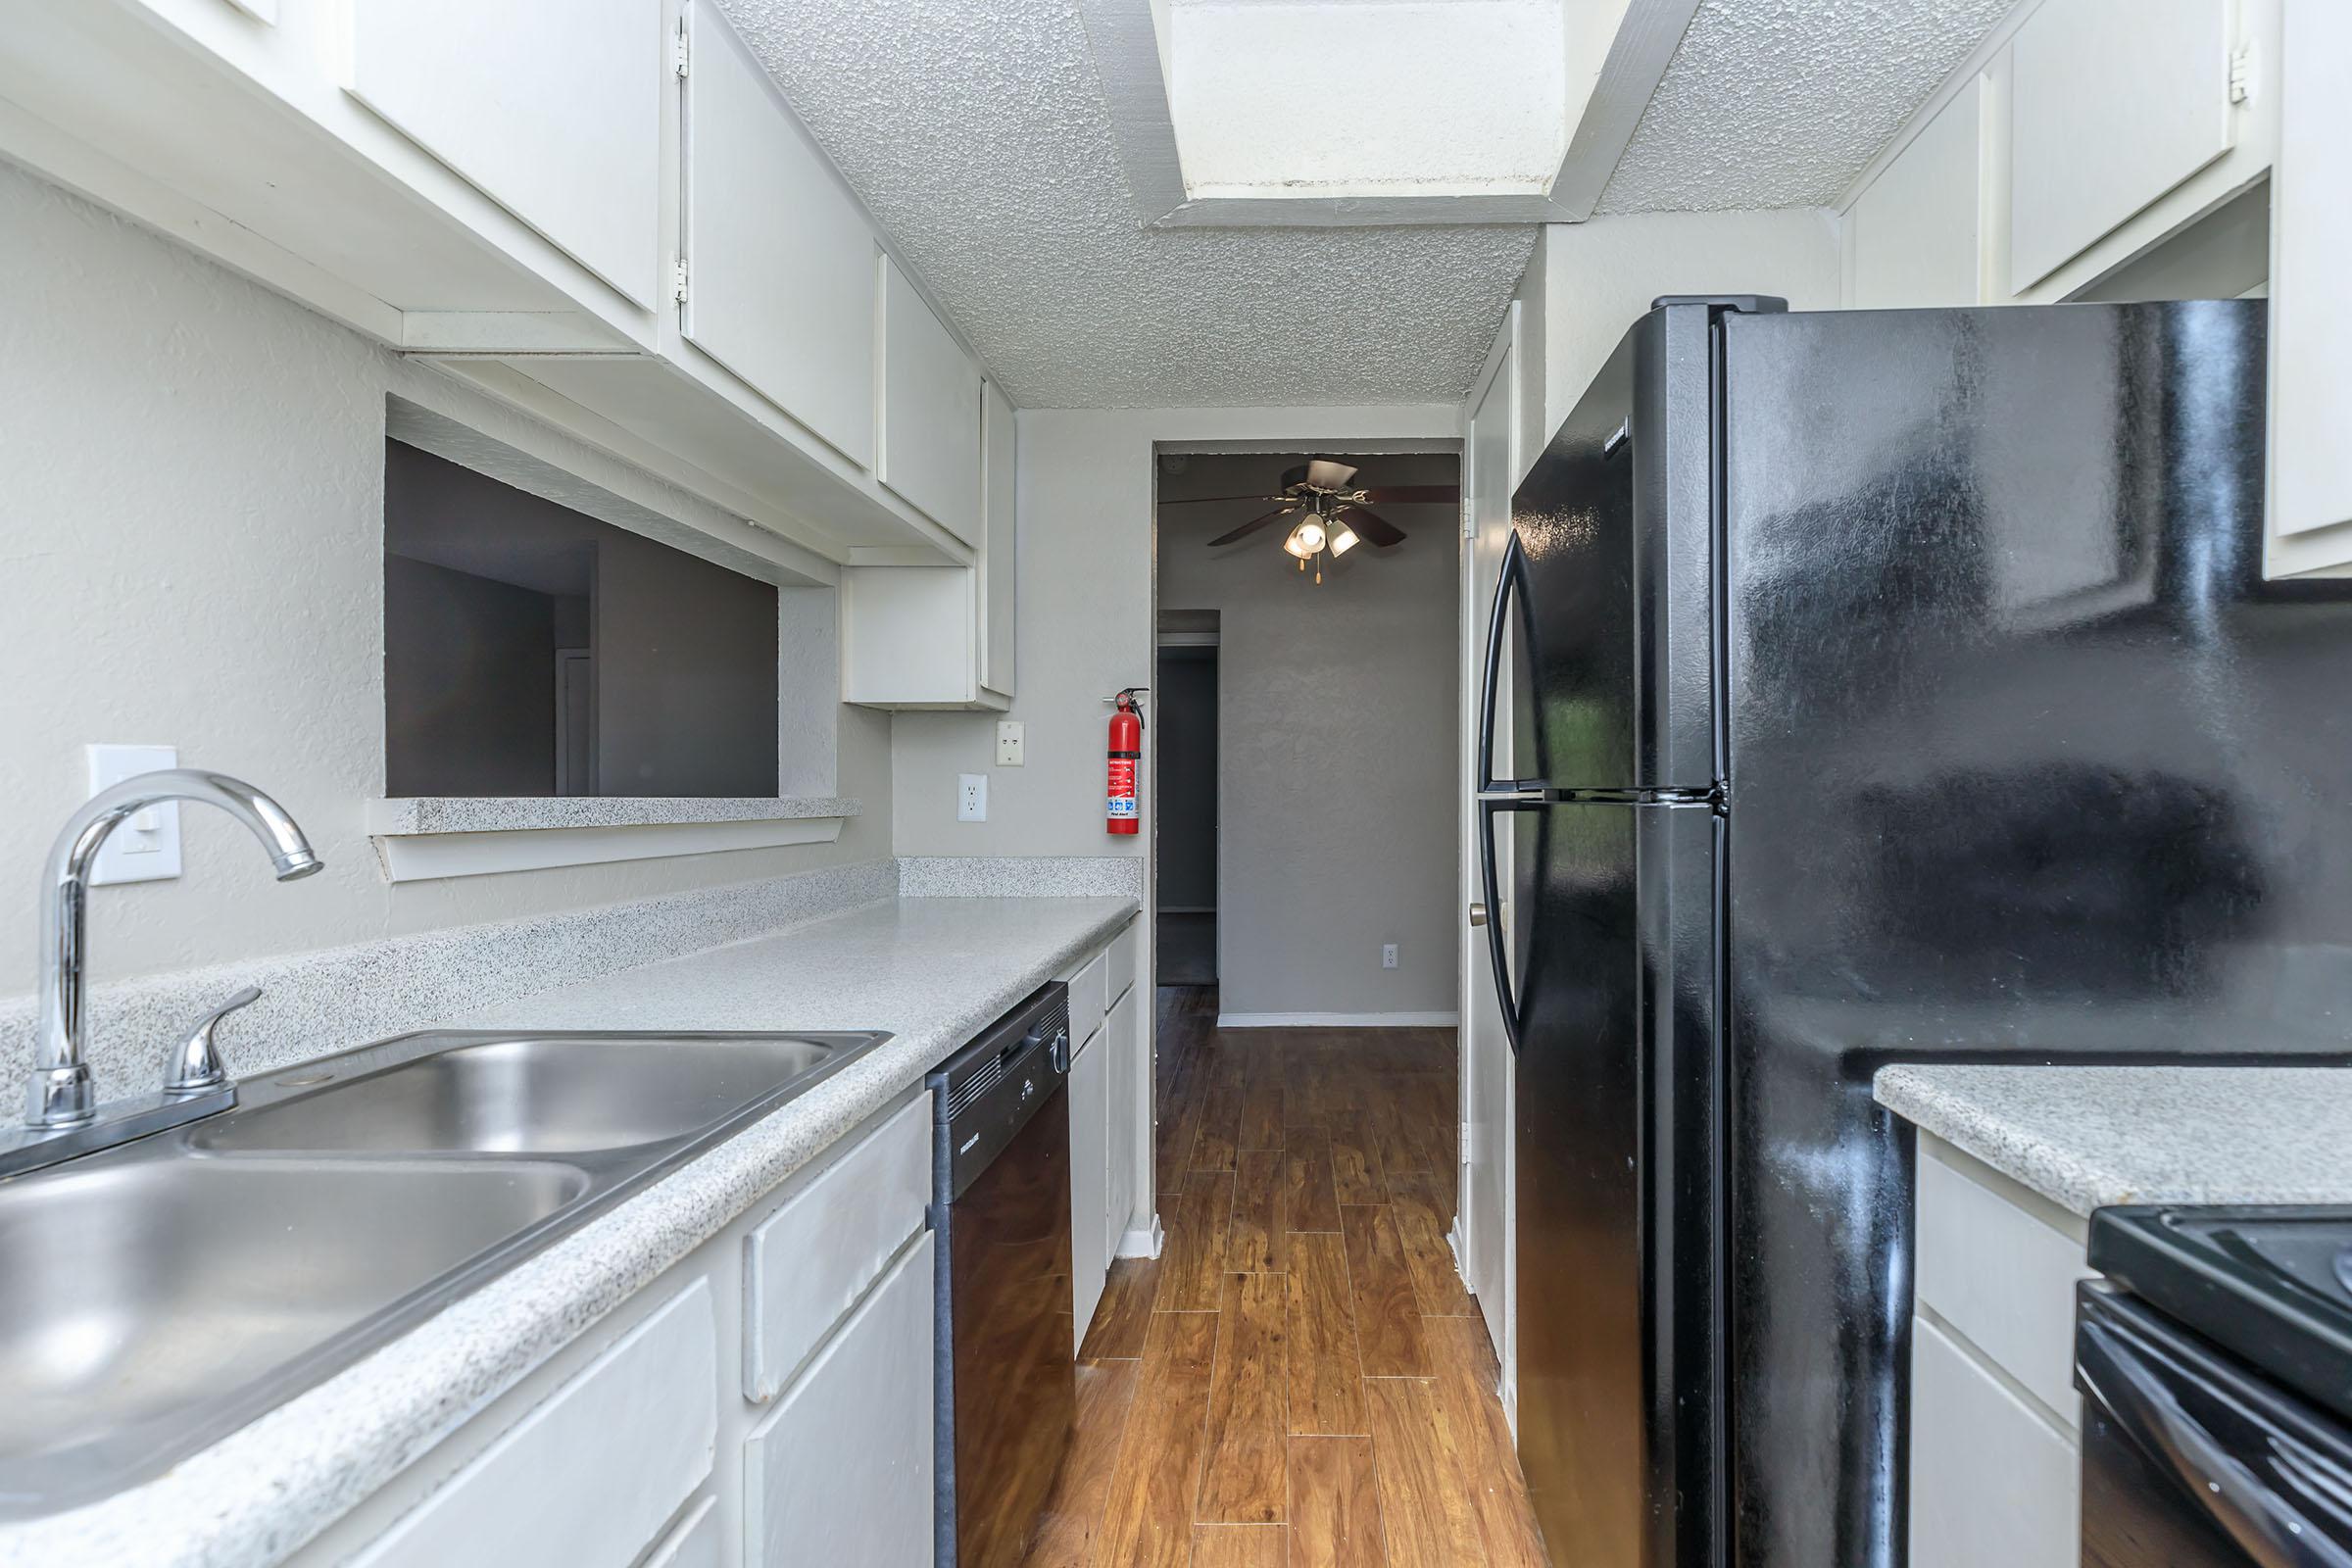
[(1184, 681)]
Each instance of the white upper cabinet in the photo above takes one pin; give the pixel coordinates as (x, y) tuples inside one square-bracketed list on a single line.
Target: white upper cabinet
[(1000, 552), (552, 108), (779, 258), (930, 412), (2311, 315), (1912, 236), (2112, 103)]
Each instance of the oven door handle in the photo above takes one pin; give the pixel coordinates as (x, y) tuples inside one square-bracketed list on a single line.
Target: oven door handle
[(2265, 1490)]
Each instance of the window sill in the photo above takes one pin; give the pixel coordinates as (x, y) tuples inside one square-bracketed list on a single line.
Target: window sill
[(421, 838)]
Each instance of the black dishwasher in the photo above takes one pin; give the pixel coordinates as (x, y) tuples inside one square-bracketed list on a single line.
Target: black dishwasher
[(1006, 1385), (2216, 1370)]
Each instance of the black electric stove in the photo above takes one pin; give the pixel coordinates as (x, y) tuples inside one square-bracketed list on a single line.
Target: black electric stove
[(2215, 1361)]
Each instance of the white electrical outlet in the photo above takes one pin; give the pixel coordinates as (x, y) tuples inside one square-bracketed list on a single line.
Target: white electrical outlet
[(971, 796), (145, 849), (1008, 742), (1387, 956)]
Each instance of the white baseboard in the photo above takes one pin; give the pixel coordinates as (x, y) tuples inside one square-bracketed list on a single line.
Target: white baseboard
[(1446, 1020), (1142, 1242)]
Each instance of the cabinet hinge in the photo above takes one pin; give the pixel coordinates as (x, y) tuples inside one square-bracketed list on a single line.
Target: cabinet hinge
[(681, 53), (2241, 74), (678, 280)]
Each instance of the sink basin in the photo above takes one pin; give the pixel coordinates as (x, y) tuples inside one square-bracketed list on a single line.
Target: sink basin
[(158, 1295), (150, 1303), (534, 1095)]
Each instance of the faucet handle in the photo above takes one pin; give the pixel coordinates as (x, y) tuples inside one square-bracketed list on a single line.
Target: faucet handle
[(194, 1066)]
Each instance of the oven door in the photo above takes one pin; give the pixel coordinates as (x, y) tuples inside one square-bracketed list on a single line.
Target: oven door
[(2190, 1458)]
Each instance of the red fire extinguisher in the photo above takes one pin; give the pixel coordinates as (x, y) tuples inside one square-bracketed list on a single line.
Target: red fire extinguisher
[(1121, 811)]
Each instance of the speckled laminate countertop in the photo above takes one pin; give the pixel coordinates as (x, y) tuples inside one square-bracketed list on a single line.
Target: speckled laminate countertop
[(2089, 1137), (932, 972)]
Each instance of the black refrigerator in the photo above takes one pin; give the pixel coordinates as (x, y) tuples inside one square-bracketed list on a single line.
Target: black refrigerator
[(1878, 686)]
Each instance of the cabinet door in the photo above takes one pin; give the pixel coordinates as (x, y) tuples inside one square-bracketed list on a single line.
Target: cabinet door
[(1090, 1199), (906, 636), (1991, 1480), (2112, 103), (1000, 547), (2310, 312), (1122, 1039), (930, 412), (840, 1476), (590, 1476), (1914, 231), (552, 108), (780, 262)]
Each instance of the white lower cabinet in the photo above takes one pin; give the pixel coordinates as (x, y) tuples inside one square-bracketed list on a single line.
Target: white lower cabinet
[(1123, 1046), (840, 1475), (1090, 1177), (1992, 1478), (1994, 1419), (589, 1477), (767, 1400)]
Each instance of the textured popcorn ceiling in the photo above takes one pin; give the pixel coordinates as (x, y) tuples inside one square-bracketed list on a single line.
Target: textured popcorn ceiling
[(1781, 103), (976, 131)]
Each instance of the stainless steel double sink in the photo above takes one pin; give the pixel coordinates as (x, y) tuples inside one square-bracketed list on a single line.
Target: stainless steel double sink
[(156, 1295)]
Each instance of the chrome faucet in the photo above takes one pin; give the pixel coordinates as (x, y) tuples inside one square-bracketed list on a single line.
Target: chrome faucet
[(60, 1093)]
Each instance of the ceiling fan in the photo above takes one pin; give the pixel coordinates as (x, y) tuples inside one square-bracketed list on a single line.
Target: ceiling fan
[(1332, 511)]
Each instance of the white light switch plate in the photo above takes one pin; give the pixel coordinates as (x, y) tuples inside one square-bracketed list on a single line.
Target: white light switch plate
[(971, 796), (145, 849), (1009, 734)]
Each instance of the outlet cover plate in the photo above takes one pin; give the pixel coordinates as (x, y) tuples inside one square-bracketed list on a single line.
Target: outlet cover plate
[(1010, 737), (145, 849), (971, 796)]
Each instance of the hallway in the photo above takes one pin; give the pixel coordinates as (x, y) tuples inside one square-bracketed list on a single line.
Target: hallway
[(1300, 1380)]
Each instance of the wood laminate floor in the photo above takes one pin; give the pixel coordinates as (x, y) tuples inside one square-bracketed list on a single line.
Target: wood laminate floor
[(1300, 1380)]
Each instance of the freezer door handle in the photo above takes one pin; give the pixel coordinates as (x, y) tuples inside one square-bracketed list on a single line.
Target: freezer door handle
[(1511, 584), (1497, 941)]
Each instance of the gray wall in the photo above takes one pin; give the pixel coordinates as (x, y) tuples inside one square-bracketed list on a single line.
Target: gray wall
[(1338, 805), (469, 684), (1184, 705), (192, 554), (684, 651), (685, 674)]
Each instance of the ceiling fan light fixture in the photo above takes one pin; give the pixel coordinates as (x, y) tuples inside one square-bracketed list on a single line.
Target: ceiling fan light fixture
[(1342, 540), (1305, 540)]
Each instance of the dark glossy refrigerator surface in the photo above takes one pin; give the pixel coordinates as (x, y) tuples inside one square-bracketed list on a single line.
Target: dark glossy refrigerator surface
[(2013, 755)]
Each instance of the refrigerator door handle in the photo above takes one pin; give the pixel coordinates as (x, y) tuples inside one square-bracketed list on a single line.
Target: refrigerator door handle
[(1509, 584), (1498, 940)]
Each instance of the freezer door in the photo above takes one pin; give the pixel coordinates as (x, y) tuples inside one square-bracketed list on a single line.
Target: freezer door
[(1616, 581), (1617, 1100)]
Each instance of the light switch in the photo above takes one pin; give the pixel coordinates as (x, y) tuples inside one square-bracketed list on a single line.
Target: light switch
[(146, 848), (1009, 733)]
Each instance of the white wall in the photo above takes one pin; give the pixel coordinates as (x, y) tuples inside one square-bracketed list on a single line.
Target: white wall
[(1599, 277), (191, 474), (1338, 803)]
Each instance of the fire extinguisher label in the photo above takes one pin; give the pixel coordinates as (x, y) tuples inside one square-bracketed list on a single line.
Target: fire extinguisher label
[(1123, 808)]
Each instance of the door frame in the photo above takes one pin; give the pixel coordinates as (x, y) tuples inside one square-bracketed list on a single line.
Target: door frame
[(1506, 357)]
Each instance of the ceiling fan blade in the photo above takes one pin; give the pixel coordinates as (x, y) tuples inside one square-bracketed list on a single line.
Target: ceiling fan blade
[(1371, 526), (1397, 494), (1201, 501), (1250, 527), (1325, 475)]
